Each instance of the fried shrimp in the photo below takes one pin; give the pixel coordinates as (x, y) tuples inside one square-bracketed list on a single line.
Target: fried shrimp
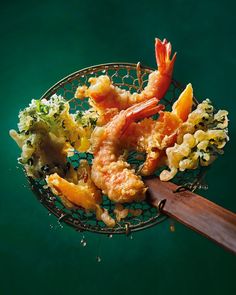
[(104, 95), (110, 172)]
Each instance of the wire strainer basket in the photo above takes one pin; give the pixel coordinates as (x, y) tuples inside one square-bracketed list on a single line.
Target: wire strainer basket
[(132, 77)]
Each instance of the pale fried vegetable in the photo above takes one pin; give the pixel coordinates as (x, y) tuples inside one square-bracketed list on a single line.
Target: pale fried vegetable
[(121, 212), (48, 133), (200, 139)]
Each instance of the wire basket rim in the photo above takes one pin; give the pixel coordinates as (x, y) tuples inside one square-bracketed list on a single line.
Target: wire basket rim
[(159, 217), (95, 67)]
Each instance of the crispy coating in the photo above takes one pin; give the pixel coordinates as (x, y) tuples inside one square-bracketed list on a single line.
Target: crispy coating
[(104, 95), (200, 139), (110, 172), (154, 136)]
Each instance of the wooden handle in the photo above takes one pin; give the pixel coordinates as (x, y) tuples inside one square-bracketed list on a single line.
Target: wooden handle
[(196, 212)]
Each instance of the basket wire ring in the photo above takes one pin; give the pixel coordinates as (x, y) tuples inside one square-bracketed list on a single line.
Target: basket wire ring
[(132, 77)]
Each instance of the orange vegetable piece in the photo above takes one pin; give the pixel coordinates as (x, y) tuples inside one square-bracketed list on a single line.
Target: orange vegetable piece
[(183, 106), (80, 194)]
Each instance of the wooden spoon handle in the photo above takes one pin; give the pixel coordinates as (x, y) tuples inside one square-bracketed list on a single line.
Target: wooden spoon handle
[(196, 212)]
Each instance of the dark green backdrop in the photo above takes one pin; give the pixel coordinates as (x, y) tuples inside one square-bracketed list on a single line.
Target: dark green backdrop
[(43, 41)]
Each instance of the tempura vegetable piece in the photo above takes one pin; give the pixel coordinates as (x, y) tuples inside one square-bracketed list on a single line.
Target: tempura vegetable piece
[(183, 106), (87, 120), (42, 152), (41, 137), (200, 139), (81, 194), (48, 133), (78, 189), (121, 212), (106, 218)]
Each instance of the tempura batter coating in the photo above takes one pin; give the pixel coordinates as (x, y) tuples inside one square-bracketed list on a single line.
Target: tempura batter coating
[(104, 95), (200, 139), (110, 172)]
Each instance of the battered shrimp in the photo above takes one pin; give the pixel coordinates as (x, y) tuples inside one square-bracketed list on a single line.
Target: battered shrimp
[(109, 171), (154, 136), (104, 95)]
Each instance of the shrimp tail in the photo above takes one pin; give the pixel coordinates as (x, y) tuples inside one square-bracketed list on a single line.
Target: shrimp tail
[(163, 57), (141, 111)]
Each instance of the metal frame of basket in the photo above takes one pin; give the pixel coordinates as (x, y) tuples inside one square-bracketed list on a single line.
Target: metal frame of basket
[(132, 77)]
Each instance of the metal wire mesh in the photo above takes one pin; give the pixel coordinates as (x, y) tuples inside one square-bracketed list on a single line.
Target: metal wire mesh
[(131, 77)]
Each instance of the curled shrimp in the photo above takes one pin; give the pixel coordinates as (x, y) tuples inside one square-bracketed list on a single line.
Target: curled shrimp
[(110, 172), (104, 95), (154, 136)]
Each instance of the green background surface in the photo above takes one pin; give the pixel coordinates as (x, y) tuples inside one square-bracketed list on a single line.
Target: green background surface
[(43, 41)]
